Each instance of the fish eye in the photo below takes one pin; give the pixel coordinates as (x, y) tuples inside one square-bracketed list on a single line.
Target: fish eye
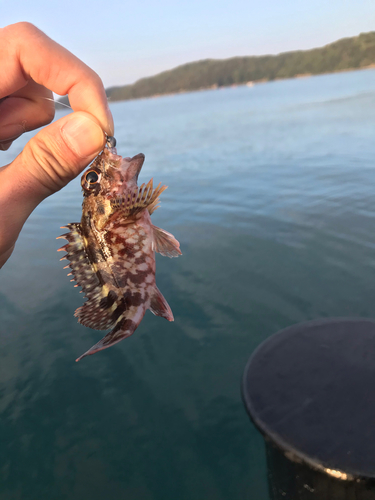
[(92, 177)]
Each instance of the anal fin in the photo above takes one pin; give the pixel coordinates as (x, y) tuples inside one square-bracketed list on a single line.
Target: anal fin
[(165, 243), (91, 315), (159, 306)]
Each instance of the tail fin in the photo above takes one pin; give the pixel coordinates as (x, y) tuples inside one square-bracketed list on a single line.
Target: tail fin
[(124, 328)]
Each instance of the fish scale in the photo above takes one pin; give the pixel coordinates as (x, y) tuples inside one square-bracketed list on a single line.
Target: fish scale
[(112, 250)]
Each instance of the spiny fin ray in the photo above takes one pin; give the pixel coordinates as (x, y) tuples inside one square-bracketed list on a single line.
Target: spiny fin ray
[(138, 198), (91, 314)]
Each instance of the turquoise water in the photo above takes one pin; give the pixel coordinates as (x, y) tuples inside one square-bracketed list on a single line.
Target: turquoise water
[(271, 194)]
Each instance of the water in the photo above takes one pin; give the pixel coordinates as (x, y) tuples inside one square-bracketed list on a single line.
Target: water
[(271, 196)]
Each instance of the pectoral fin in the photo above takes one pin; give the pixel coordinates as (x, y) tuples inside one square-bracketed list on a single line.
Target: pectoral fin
[(165, 243)]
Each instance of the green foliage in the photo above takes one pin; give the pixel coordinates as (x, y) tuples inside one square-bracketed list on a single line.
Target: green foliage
[(347, 53)]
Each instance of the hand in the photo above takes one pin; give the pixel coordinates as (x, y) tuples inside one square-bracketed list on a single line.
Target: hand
[(32, 65)]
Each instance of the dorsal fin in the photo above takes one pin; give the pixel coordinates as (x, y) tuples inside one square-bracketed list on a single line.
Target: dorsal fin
[(139, 198), (93, 313)]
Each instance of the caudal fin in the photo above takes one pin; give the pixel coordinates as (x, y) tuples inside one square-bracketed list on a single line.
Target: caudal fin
[(124, 328)]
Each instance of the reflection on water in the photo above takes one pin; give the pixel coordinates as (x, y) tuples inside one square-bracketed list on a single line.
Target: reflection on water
[(271, 196)]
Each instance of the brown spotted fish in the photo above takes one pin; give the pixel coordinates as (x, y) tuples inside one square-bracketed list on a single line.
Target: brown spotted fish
[(112, 250)]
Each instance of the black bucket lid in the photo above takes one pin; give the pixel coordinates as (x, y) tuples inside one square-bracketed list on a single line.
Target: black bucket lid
[(310, 389)]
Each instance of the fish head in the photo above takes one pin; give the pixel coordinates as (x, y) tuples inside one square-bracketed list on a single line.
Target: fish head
[(110, 176)]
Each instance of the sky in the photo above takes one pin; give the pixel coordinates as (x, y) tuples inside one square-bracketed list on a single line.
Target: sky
[(127, 40)]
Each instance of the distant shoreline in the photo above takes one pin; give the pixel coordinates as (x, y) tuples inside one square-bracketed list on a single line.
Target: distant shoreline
[(347, 54), (247, 84), (59, 105)]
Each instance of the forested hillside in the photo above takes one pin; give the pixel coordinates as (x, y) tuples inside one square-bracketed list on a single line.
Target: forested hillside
[(347, 53)]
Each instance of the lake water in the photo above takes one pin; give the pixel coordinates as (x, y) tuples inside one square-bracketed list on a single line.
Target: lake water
[(271, 194)]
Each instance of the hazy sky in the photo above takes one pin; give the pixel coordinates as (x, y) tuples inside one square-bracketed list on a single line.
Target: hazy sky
[(126, 40)]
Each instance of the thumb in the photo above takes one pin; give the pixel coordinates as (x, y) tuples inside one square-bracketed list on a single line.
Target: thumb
[(57, 154), (54, 156)]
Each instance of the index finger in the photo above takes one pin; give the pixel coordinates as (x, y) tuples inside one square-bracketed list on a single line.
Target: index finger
[(27, 53)]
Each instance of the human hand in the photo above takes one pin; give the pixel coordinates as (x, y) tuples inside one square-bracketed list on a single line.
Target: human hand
[(33, 65)]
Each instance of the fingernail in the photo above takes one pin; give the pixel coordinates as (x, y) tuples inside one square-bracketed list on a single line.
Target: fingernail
[(83, 135), (110, 124)]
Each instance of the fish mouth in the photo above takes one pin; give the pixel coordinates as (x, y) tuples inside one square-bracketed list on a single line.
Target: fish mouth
[(132, 166), (139, 158)]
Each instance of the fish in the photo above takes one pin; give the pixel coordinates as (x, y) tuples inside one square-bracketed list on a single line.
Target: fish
[(111, 252)]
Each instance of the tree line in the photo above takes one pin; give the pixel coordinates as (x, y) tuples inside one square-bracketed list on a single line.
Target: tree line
[(345, 54)]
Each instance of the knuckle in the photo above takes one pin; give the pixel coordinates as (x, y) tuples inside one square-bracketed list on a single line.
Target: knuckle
[(98, 80), (95, 79), (15, 35), (19, 29), (27, 29)]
